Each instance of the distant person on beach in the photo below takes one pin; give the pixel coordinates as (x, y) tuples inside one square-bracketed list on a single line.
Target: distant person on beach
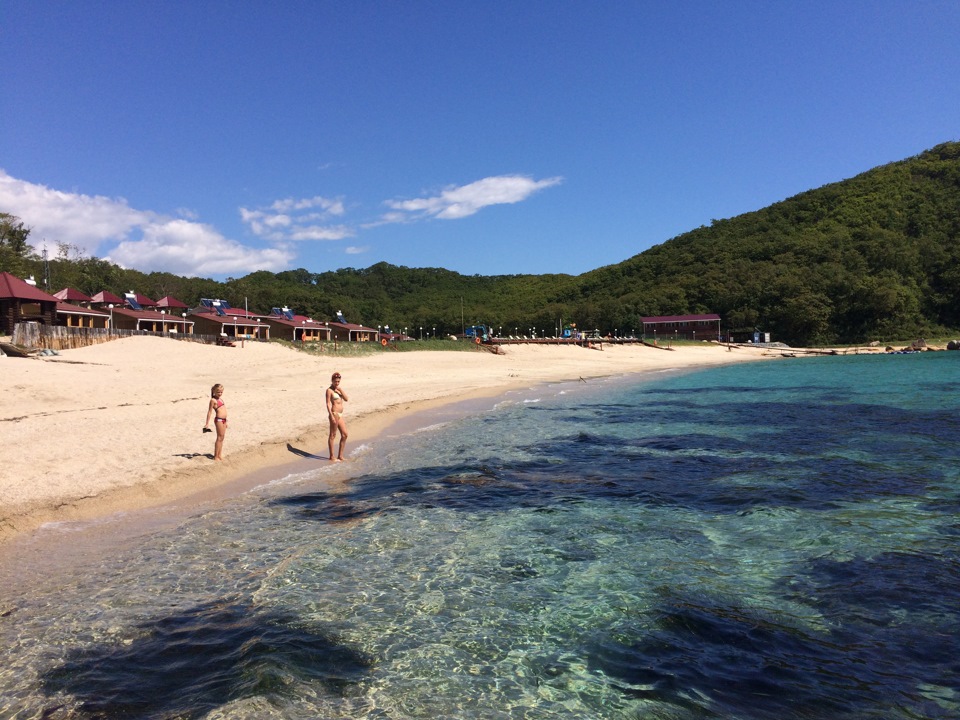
[(218, 411), (335, 399)]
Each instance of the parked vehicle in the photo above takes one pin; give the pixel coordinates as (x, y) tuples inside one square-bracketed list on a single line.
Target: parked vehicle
[(475, 332)]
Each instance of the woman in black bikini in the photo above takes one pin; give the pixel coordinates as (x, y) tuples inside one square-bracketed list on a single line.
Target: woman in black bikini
[(335, 399), (218, 411)]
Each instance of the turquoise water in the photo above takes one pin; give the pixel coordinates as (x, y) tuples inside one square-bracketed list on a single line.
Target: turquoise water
[(771, 540)]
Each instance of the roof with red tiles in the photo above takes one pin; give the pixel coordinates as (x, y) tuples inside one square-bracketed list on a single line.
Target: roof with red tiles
[(154, 315), (69, 294), (170, 302), (352, 326), (296, 321), (69, 309), (105, 296), (142, 300), (14, 288), (228, 319)]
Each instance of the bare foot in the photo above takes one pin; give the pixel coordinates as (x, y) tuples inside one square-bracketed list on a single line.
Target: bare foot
[(335, 460)]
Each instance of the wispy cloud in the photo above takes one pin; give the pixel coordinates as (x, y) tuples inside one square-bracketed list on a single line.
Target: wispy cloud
[(110, 228), (455, 202), (298, 219)]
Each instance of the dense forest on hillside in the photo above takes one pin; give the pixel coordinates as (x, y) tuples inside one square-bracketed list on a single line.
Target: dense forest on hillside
[(875, 256)]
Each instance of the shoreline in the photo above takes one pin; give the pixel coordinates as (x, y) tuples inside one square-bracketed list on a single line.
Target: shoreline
[(74, 457)]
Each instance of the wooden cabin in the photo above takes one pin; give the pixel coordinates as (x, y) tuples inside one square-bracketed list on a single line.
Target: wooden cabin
[(81, 317), (217, 317), (123, 318), (682, 327), (351, 332), (21, 301), (287, 325)]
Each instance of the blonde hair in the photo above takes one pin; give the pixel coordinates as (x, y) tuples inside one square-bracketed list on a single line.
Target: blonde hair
[(213, 390)]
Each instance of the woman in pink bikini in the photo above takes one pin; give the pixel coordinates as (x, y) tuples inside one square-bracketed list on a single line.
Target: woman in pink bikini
[(335, 399), (218, 411)]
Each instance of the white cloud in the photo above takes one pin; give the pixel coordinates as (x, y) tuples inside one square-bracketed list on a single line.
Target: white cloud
[(459, 202), (313, 232), (187, 213), (295, 220), (189, 248), (332, 206), (82, 220), (148, 241)]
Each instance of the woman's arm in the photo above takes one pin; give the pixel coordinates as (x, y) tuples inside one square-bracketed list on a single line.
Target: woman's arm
[(211, 410)]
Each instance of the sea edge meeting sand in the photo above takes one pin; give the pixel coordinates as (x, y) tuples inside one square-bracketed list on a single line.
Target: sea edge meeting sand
[(116, 427)]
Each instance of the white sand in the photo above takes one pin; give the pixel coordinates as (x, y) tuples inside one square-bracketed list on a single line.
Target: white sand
[(118, 425)]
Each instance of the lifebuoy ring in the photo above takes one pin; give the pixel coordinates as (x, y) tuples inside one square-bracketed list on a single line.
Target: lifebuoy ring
[(477, 340), (383, 342)]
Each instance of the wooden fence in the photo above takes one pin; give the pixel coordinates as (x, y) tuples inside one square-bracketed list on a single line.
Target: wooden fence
[(58, 337)]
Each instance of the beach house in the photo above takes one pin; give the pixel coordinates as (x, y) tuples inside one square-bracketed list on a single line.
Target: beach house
[(351, 332), (287, 325), (22, 301), (682, 327), (218, 317)]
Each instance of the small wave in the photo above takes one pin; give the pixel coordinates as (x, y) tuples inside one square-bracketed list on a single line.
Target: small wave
[(430, 428), (290, 479)]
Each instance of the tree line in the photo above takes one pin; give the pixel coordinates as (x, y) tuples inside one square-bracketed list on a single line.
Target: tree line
[(873, 257)]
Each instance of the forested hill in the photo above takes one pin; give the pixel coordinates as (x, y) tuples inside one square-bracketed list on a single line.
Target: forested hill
[(873, 257), (877, 255)]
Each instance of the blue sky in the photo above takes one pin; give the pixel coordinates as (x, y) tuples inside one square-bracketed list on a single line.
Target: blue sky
[(219, 138)]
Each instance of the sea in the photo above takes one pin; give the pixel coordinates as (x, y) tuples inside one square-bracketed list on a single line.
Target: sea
[(774, 540)]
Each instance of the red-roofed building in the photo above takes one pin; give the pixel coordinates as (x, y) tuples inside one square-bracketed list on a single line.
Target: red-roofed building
[(22, 302), (105, 297), (125, 318), (171, 303), (682, 327), (351, 332), (142, 300), (217, 318), (297, 328), (70, 295), (77, 316)]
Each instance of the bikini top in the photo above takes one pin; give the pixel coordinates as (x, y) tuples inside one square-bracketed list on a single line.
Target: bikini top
[(219, 403)]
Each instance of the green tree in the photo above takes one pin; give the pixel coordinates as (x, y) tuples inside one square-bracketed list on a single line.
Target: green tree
[(13, 244)]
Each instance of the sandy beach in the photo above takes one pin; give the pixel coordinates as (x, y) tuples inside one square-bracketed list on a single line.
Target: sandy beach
[(117, 426)]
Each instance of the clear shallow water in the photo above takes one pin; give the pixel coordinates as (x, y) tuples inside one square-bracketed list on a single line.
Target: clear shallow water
[(777, 540)]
